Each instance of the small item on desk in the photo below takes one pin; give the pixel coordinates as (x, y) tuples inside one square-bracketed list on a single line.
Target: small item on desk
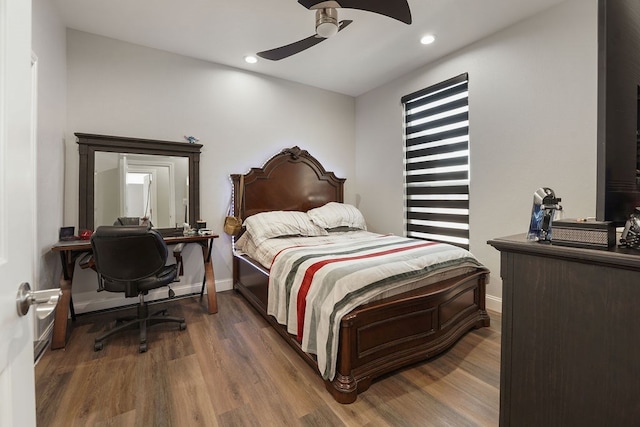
[(200, 224), (630, 237), (205, 232), (86, 234), (188, 231), (584, 233), (67, 233), (543, 211)]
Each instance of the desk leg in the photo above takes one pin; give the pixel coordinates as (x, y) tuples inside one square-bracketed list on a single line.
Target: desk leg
[(209, 278), (60, 321)]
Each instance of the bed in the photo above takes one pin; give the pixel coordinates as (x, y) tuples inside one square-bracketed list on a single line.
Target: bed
[(419, 318)]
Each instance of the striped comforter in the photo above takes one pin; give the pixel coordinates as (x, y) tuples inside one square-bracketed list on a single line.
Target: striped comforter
[(312, 287)]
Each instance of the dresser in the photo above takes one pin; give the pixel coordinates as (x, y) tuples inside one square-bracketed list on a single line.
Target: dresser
[(570, 335)]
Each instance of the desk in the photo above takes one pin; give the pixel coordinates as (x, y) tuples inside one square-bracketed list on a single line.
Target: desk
[(69, 252)]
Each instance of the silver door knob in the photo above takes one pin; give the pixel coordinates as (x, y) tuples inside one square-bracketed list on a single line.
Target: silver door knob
[(45, 300)]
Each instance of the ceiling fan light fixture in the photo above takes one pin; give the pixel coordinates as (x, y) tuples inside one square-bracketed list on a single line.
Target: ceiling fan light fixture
[(326, 22)]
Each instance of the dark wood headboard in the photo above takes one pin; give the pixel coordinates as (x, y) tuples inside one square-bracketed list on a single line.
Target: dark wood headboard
[(292, 180)]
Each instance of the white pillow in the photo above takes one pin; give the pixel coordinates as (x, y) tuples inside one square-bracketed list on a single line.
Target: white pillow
[(266, 225), (335, 214)]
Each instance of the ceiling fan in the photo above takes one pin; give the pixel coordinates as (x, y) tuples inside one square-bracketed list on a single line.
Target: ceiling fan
[(327, 24)]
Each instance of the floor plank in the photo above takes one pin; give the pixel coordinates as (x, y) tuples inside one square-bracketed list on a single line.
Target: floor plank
[(233, 369)]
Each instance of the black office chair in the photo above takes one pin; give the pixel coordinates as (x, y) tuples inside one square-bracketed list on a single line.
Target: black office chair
[(132, 260)]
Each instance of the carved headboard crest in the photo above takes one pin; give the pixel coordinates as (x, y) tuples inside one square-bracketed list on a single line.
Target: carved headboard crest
[(291, 180), (295, 152)]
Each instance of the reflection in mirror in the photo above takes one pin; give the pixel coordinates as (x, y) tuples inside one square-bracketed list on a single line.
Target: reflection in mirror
[(155, 188)]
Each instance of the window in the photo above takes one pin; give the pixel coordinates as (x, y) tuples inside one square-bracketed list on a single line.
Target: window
[(437, 162)]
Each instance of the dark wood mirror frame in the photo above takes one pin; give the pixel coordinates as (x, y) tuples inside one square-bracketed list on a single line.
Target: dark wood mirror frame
[(90, 143)]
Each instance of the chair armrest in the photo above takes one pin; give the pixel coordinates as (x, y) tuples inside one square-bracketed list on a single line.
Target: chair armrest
[(87, 261), (177, 253), (177, 249)]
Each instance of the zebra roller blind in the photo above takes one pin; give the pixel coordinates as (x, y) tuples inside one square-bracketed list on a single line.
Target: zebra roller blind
[(437, 162)]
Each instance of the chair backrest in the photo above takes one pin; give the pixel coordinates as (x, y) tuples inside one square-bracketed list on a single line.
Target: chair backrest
[(128, 254), (127, 220), (134, 221)]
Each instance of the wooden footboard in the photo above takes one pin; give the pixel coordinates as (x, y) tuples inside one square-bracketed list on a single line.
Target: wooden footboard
[(385, 335)]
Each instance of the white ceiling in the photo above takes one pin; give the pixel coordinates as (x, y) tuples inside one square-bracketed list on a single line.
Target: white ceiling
[(373, 50)]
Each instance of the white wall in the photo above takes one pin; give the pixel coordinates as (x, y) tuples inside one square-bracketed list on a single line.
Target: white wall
[(532, 124), (532, 101), (241, 118), (49, 46)]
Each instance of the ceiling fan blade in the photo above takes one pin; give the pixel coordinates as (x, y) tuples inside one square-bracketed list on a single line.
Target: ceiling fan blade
[(297, 47), (290, 49), (396, 9)]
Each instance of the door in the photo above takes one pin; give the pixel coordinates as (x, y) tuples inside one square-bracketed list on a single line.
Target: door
[(17, 390)]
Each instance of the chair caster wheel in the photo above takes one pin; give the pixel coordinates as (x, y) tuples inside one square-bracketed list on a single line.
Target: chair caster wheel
[(143, 348), (98, 346), (183, 326)]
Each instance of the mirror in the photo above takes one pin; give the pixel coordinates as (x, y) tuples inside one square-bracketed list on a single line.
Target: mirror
[(155, 188), (130, 177)]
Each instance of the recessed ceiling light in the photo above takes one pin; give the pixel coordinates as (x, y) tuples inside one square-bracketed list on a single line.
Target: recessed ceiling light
[(250, 59), (428, 39)]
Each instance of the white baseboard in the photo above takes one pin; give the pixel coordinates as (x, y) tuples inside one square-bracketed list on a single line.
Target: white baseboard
[(493, 303), (41, 343), (87, 302), (224, 285), (47, 332)]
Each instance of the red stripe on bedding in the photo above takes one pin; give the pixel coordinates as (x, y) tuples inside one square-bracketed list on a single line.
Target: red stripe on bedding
[(314, 268), (308, 246)]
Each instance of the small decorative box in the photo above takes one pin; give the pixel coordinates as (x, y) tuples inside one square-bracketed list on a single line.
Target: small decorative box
[(584, 233)]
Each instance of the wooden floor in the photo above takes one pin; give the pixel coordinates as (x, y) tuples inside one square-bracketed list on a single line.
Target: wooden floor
[(233, 369)]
